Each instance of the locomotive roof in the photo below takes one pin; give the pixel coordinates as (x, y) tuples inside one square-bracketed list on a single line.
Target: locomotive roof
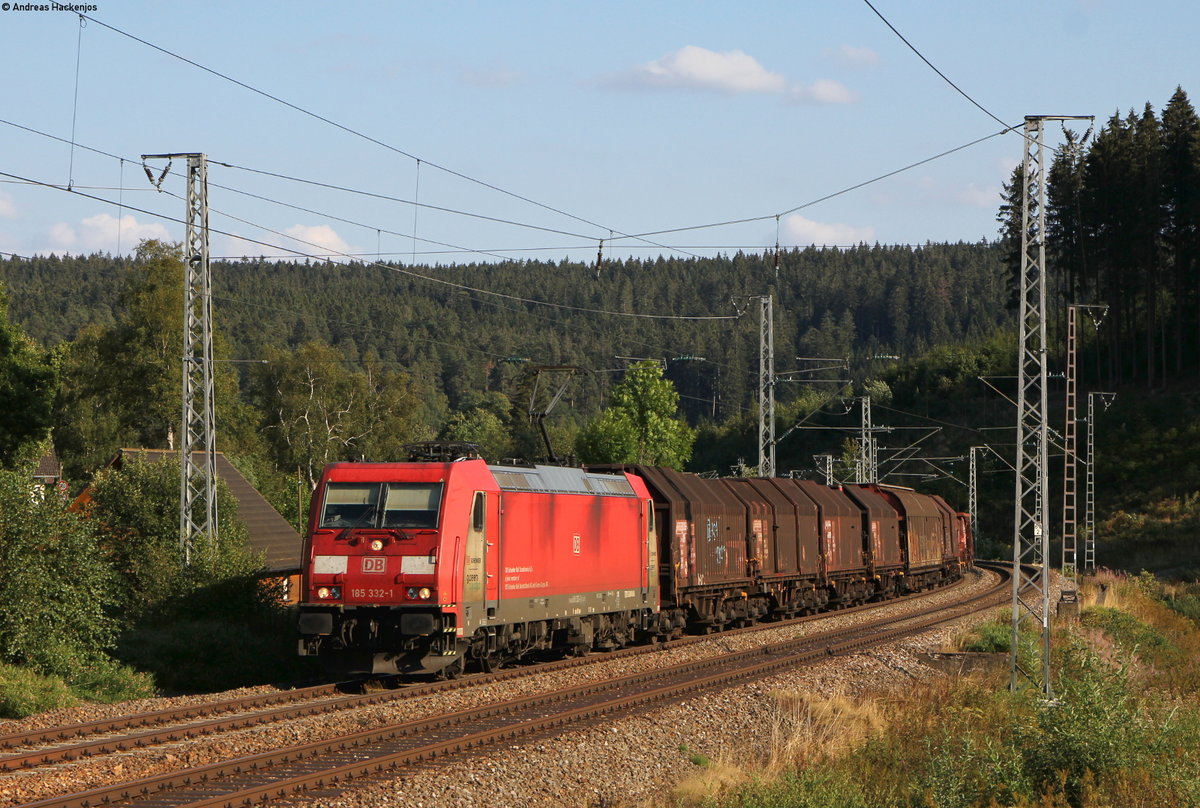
[(561, 480)]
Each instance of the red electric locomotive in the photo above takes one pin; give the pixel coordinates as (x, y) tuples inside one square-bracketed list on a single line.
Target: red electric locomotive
[(421, 567)]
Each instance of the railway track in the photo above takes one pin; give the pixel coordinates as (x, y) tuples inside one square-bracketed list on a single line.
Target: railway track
[(323, 764), (139, 731)]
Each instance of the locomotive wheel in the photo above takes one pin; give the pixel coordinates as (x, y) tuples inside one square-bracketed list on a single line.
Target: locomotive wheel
[(453, 670)]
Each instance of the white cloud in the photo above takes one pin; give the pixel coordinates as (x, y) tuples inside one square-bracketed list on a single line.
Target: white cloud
[(978, 197), (823, 91), (7, 209), (62, 237), (797, 230), (317, 238), (851, 56), (93, 234), (100, 232), (696, 68), (729, 72)]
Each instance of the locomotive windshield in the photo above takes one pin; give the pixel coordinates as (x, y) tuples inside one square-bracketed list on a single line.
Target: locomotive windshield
[(381, 505)]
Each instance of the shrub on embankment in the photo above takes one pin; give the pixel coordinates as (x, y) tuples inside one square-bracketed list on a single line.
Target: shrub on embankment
[(1123, 729), (56, 604), (98, 606)]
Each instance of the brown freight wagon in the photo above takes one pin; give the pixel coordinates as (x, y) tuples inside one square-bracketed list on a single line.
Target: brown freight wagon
[(702, 534), (760, 523), (840, 526), (882, 528), (790, 537), (785, 540), (925, 533), (950, 551)]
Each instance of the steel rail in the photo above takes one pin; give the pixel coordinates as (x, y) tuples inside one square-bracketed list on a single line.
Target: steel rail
[(45, 753), (508, 720)]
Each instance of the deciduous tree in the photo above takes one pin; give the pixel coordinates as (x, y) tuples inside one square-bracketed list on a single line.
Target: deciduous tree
[(640, 424), (27, 386)]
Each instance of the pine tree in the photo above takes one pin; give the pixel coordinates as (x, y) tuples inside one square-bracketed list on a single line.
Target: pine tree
[(1180, 141)]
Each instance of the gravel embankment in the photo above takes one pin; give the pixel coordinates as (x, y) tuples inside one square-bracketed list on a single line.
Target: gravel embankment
[(622, 762)]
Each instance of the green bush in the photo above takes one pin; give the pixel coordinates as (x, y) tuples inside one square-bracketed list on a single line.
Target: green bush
[(1133, 635), (107, 681), (809, 788), (992, 637), (24, 692), (1093, 726), (136, 507), (1187, 605), (55, 586)]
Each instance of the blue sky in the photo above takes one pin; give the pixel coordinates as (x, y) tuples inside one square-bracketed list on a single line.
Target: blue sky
[(622, 117)]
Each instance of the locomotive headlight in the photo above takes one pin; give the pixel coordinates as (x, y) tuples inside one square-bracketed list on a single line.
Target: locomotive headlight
[(329, 593), (419, 593), (376, 544)]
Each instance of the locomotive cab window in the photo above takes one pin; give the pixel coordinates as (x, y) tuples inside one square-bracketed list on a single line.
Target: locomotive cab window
[(404, 505), (350, 505), (412, 505)]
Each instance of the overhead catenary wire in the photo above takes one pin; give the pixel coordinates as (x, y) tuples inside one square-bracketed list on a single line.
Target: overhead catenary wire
[(351, 130), (826, 197), (932, 67), (568, 247), (613, 236), (387, 267), (389, 198), (454, 211), (75, 102), (316, 183)]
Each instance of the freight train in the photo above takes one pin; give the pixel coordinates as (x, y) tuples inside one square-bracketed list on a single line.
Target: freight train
[(434, 567)]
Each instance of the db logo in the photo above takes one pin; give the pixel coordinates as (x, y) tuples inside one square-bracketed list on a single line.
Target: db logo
[(376, 565)]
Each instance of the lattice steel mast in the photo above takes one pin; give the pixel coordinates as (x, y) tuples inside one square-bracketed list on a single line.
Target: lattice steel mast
[(868, 446), (1070, 586), (1070, 539), (766, 388), (197, 474), (1031, 524)]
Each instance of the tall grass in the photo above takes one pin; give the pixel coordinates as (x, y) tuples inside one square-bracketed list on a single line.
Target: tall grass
[(1123, 728)]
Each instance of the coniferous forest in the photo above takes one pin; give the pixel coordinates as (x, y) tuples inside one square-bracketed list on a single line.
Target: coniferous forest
[(317, 362), (320, 362)]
